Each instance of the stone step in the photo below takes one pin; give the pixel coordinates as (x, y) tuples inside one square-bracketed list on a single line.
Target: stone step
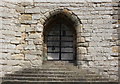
[(50, 72), (45, 69), (54, 79), (53, 72), (44, 75), (56, 82), (43, 78), (51, 75), (55, 75)]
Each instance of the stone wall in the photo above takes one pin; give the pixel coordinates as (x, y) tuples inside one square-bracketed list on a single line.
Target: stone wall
[(22, 34)]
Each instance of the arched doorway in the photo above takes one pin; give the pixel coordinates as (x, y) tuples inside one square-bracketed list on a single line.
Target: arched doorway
[(60, 39)]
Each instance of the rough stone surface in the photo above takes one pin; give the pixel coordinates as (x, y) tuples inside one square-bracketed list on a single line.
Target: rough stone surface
[(22, 25), (19, 9), (32, 10), (30, 47), (31, 57), (25, 17), (82, 50), (115, 49), (17, 56), (82, 39)]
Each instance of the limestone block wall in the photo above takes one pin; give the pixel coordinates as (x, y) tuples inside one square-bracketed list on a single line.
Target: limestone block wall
[(10, 38), (22, 25), (17, 48)]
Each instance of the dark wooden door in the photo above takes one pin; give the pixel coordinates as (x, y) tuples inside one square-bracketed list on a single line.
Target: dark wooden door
[(60, 43)]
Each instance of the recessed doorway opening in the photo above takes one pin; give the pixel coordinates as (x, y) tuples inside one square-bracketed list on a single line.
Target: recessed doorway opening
[(60, 40)]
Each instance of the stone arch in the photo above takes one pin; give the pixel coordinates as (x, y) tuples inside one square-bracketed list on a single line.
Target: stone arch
[(76, 24), (65, 11)]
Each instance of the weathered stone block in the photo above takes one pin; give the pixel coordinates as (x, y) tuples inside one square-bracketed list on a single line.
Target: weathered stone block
[(39, 28), (85, 34), (30, 29), (27, 3), (23, 27), (88, 39), (39, 47), (36, 16), (82, 50), (37, 63), (26, 64), (115, 37), (5, 55), (19, 9), (35, 52), (81, 39), (8, 32), (47, 14), (18, 34), (7, 68), (29, 22), (115, 49), (19, 47), (8, 5), (32, 10), (42, 21), (114, 63), (91, 63), (9, 46), (15, 41), (1, 75), (38, 41), (17, 57), (33, 36), (13, 62), (91, 49), (79, 28), (6, 15), (31, 57), (23, 36), (16, 68), (24, 17), (30, 42), (30, 47)]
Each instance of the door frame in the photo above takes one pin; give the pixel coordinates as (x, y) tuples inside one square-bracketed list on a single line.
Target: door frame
[(67, 23)]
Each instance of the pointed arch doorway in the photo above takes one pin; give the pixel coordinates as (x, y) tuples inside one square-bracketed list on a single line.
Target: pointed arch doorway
[(60, 39)]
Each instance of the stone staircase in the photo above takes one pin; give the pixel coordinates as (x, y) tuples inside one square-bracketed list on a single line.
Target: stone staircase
[(50, 74)]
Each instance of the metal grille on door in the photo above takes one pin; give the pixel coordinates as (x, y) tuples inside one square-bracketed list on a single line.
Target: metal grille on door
[(60, 43)]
